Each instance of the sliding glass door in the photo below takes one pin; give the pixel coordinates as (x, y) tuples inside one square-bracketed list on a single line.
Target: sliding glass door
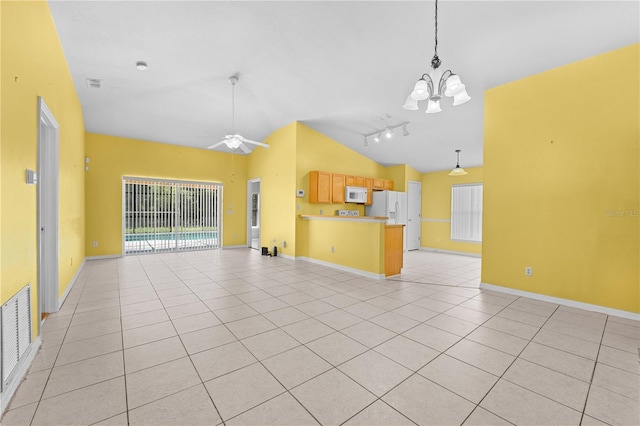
[(163, 215)]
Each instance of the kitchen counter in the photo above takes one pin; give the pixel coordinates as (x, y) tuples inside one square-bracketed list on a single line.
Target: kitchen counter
[(354, 218), (365, 245)]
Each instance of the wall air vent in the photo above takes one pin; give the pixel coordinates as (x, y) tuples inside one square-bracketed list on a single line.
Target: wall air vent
[(16, 331), (94, 83)]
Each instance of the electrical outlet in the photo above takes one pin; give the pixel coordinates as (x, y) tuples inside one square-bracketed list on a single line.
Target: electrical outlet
[(333, 249), (528, 271), (95, 244), (284, 244)]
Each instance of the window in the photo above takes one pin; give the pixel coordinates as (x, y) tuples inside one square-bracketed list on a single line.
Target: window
[(466, 213)]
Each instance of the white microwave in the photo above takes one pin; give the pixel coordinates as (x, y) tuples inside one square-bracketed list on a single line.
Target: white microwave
[(355, 194)]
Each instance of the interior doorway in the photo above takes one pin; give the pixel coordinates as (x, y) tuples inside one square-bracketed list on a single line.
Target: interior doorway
[(47, 193), (253, 213), (414, 209)]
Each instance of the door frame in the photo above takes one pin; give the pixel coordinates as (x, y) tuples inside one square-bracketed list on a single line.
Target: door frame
[(250, 183), (411, 187), (48, 193)]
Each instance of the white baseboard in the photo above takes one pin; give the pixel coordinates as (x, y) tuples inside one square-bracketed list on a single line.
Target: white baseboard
[(235, 247), (460, 253), (286, 256), (18, 374), (105, 256), (343, 268), (71, 283), (560, 301)]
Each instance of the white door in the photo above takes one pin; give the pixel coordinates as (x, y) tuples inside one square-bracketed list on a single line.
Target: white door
[(253, 213), (414, 209), (47, 230)]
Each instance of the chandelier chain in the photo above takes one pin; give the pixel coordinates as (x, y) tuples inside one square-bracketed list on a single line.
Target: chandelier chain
[(435, 61)]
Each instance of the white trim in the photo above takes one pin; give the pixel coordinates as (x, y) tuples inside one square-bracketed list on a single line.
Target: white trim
[(104, 256), (560, 301), (48, 217), (428, 219), (343, 268), (345, 218), (249, 239), (460, 253), (71, 283), (464, 241), (287, 256), (235, 247), (19, 373)]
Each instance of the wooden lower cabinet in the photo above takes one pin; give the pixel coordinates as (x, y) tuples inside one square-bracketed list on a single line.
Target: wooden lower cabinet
[(393, 259)]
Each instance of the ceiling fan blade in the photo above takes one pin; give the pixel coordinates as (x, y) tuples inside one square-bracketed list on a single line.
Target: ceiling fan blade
[(215, 145), (244, 149), (255, 142)]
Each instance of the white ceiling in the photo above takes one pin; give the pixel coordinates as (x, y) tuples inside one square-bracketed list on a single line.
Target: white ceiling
[(336, 66)]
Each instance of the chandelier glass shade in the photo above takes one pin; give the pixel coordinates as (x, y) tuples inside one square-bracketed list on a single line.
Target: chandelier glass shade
[(433, 85)]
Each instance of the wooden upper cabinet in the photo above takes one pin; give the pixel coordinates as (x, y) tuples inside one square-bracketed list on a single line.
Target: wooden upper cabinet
[(337, 188), (350, 181), (320, 187), (388, 185), (378, 184), (368, 183), (360, 181)]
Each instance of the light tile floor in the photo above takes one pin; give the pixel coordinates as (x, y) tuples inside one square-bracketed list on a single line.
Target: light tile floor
[(231, 336)]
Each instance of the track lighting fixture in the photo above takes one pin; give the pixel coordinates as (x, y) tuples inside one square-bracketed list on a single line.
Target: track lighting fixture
[(387, 132), (448, 84)]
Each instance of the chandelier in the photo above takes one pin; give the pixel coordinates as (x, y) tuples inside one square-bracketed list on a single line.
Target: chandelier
[(448, 84)]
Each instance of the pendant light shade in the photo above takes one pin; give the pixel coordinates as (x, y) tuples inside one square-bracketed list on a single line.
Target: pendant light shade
[(411, 104), (457, 170), (433, 107)]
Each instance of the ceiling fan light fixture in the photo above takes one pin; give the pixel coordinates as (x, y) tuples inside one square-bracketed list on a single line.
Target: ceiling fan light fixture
[(405, 132), (377, 138), (141, 65)]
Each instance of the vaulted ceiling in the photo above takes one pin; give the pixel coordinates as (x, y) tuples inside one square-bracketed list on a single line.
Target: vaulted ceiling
[(343, 68)]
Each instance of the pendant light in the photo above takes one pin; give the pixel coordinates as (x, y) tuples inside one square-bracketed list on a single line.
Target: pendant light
[(449, 84), (457, 170)]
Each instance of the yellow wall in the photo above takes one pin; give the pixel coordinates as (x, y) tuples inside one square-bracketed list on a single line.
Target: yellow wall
[(32, 65), (112, 157), (401, 174), (358, 245), (275, 166), (561, 153), (436, 210), (316, 151)]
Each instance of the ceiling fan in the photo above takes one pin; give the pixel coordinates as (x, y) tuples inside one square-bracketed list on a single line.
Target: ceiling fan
[(234, 140)]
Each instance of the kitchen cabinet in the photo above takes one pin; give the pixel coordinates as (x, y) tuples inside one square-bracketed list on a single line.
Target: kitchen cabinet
[(350, 181), (320, 187), (393, 253), (378, 184), (387, 185), (337, 188), (368, 183), (360, 181)]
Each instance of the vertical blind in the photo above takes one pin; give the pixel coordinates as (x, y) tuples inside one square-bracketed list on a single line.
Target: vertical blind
[(466, 213), (160, 215)]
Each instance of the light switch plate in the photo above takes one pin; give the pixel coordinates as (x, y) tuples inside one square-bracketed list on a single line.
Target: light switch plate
[(300, 193)]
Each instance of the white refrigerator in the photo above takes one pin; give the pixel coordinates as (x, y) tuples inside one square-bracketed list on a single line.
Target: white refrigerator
[(392, 204)]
